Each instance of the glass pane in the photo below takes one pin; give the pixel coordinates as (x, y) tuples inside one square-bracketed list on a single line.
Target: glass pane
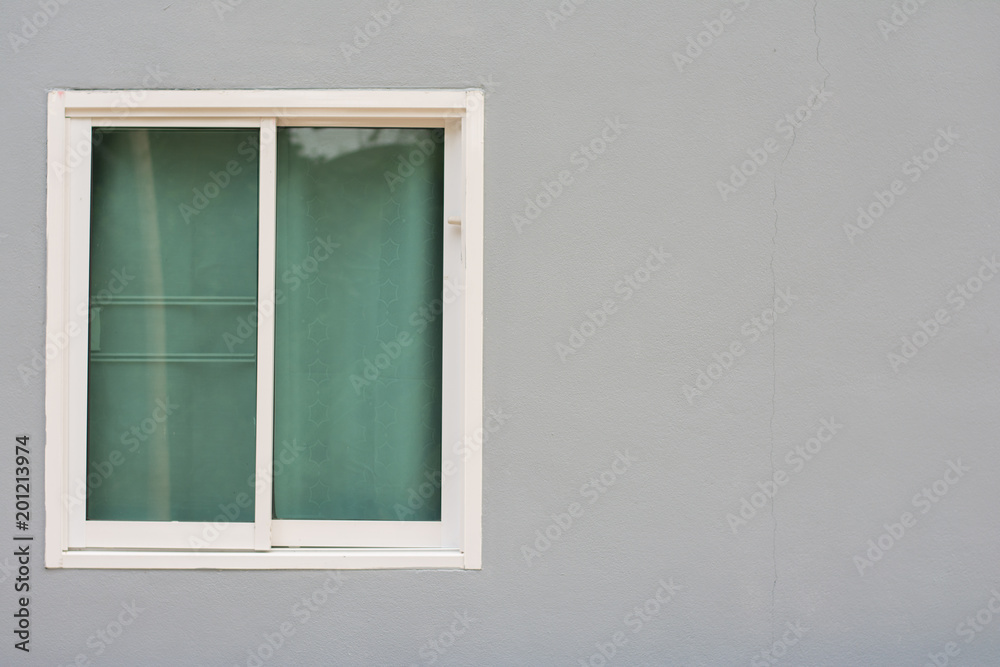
[(173, 283), (357, 404)]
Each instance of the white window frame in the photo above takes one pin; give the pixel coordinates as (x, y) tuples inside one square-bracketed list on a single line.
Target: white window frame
[(71, 541)]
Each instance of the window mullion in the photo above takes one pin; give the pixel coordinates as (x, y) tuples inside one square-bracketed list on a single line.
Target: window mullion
[(265, 335)]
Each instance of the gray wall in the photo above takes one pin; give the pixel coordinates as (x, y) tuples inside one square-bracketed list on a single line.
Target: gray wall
[(551, 89)]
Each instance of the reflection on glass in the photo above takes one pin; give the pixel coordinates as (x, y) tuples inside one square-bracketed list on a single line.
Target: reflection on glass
[(173, 280), (357, 407)]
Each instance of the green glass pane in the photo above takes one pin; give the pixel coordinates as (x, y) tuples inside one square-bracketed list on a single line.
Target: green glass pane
[(173, 281), (357, 405)]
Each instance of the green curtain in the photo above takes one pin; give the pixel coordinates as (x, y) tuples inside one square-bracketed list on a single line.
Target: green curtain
[(357, 407), (173, 283)]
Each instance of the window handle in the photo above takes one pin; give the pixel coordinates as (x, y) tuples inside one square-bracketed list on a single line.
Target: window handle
[(95, 329), (458, 223)]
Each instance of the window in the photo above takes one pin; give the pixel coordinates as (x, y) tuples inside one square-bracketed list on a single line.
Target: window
[(268, 312)]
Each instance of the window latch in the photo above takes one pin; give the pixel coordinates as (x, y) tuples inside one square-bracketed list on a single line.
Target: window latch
[(455, 221)]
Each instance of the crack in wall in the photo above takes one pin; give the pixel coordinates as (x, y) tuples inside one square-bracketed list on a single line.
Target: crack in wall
[(774, 330)]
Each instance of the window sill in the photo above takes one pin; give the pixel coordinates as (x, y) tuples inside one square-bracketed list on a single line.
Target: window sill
[(277, 559)]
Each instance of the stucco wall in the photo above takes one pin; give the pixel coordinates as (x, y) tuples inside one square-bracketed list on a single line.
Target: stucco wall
[(848, 295)]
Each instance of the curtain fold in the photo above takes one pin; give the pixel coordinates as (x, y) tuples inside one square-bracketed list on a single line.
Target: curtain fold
[(172, 373)]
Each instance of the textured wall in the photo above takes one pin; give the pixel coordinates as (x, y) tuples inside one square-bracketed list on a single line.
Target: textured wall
[(793, 569)]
